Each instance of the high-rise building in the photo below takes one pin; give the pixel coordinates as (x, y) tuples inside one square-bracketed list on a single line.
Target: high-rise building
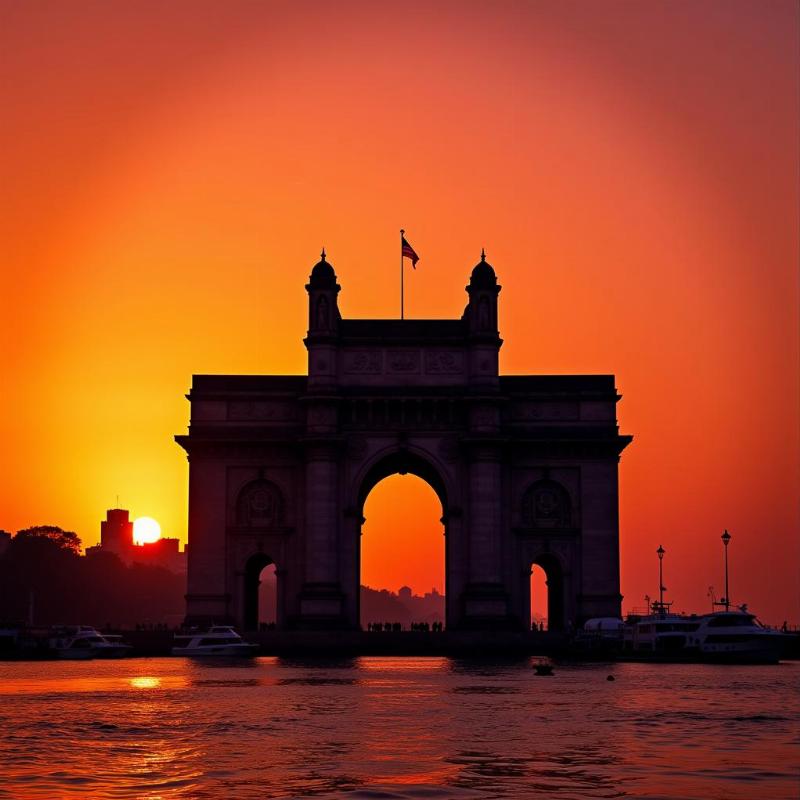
[(116, 536), (116, 532)]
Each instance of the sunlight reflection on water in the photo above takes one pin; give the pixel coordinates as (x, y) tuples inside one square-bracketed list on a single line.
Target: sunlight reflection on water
[(145, 683), (395, 728)]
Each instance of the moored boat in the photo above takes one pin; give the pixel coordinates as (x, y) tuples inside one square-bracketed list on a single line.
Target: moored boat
[(660, 633), (735, 637), (116, 647), (81, 642), (218, 640)]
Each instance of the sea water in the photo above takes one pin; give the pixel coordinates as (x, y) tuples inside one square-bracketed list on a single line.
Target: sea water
[(167, 728)]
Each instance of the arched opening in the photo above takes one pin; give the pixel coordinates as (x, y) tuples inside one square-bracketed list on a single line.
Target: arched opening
[(547, 593), (402, 547), (260, 592), (538, 599)]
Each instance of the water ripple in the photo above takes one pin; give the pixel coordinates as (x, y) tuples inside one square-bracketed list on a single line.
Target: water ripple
[(168, 729)]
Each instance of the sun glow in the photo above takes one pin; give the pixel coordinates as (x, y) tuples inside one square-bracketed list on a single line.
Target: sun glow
[(146, 530), (145, 683)]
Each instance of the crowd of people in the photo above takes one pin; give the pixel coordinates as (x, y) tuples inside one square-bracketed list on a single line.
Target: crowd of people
[(395, 627)]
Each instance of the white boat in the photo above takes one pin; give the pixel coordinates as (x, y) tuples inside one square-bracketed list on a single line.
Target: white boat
[(737, 637), (218, 640), (660, 633), (604, 628), (81, 642)]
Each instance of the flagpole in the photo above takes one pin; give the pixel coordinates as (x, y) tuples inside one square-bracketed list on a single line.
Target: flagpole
[(402, 309)]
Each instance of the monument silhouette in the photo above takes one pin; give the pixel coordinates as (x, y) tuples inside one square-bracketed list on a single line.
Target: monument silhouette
[(525, 467)]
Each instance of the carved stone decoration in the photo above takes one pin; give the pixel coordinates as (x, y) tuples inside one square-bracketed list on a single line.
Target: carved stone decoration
[(259, 505), (444, 362), (323, 313), (484, 315), (546, 410), (546, 504), (363, 362), (449, 449), (403, 361), (356, 447), (255, 409), (321, 415), (483, 416)]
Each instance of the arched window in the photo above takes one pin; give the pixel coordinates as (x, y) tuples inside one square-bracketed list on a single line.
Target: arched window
[(259, 505), (546, 504)]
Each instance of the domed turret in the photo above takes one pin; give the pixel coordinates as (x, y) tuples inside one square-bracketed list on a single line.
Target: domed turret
[(323, 310), (481, 311), (483, 276), (322, 276)]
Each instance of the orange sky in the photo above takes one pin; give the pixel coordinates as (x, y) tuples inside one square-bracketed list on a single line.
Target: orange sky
[(169, 172)]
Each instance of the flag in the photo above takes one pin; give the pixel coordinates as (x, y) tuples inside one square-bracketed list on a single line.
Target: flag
[(408, 252)]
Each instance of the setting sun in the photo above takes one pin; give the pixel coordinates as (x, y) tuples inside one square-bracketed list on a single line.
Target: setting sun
[(146, 530)]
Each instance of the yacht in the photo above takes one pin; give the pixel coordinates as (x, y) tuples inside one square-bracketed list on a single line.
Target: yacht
[(117, 648), (659, 633), (81, 642), (218, 640), (735, 636)]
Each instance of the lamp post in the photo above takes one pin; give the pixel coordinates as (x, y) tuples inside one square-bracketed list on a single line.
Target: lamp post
[(661, 552), (726, 537)]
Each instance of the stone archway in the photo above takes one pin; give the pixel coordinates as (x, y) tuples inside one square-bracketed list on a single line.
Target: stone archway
[(252, 580), (556, 600), (522, 464), (400, 461)]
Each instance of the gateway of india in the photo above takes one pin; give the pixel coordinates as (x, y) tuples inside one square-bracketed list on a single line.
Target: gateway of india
[(525, 467)]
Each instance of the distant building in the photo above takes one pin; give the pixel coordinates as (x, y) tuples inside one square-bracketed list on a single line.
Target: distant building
[(5, 540), (116, 536)]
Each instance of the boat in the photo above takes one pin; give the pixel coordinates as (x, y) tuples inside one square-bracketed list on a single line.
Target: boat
[(117, 647), (543, 667), (661, 633), (600, 638), (81, 642), (735, 637), (218, 640)]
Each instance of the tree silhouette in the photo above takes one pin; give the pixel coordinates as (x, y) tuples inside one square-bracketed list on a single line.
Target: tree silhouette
[(42, 571), (65, 540)]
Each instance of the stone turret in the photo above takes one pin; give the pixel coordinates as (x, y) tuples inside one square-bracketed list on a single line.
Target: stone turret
[(481, 318), (323, 325)]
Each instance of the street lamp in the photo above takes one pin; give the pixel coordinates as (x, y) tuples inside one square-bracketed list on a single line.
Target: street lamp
[(660, 553), (726, 601)]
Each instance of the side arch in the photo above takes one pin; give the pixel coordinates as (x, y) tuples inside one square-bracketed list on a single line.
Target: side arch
[(555, 578), (252, 580)]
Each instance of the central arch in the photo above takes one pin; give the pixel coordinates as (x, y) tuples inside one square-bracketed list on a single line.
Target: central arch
[(402, 462)]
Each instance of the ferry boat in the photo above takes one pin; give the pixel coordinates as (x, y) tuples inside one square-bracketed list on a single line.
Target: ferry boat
[(659, 633), (218, 640), (600, 638), (81, 642), (737, 637)]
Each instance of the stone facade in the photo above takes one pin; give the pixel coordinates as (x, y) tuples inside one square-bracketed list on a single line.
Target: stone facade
[(525, 468)]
